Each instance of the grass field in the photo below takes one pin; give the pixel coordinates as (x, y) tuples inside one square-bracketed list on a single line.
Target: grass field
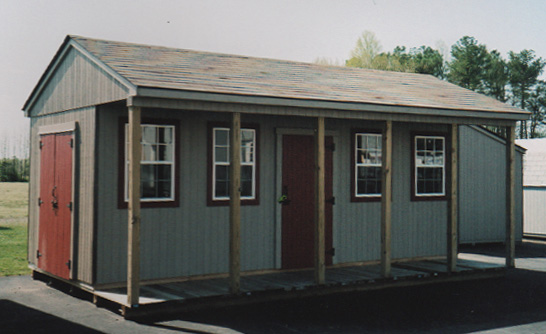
[(13, 228)]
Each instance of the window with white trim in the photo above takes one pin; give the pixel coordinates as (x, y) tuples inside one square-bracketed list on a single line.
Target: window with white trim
[(368, 159), (221, 163), (429, 164), (157, 164)]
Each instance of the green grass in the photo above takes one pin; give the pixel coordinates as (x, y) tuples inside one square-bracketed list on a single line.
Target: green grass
[(13, 228)]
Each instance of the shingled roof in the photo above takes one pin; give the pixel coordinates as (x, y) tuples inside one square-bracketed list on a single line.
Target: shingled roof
[(143, 67), (179, 69)]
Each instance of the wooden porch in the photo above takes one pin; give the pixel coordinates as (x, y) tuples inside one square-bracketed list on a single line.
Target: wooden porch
[(170, 298)]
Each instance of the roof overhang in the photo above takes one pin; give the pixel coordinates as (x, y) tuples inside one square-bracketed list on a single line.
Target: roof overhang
[(180, 99)]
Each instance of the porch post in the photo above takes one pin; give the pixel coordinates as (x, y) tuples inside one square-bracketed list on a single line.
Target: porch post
[(235, 204), (510, 196), (452, 218), (133, 242), (386, 200), (320, 207)]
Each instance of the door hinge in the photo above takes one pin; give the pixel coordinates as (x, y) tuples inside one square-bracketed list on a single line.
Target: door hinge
[(71, 143), (38, 254), (331, 200), (69, 264), (332, 147), (41, 144), (69, 206), (331, 251), (39, 201)]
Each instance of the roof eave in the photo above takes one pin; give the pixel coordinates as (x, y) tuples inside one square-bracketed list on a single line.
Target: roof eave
[(153, 92)]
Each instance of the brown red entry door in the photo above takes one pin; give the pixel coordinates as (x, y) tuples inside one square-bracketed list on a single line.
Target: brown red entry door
[(298, 183), (55, 204)]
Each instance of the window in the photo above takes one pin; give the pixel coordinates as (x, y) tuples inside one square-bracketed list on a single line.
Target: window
[(220, 161), (429, 162), (157, 165), (367, 165)]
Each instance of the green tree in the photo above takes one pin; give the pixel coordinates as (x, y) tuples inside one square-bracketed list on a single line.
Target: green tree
[(524, 70), (537, 106), (427, 60), (495, 77), (367, 48), (468, 65)]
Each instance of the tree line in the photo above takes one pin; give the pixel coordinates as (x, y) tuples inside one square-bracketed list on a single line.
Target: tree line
[(14, 152), (472, 65)]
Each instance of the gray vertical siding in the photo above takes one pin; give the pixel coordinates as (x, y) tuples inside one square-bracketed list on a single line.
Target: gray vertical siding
[(482, 188), (535, 210), (85, 145), (193, 239), (76, 83)]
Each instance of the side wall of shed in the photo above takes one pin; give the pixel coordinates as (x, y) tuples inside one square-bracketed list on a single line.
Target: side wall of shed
[(193, 238), (535, 210), (482, 188), (84, 211)]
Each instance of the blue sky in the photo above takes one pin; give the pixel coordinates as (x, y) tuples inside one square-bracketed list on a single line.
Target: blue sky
[(301, 30)]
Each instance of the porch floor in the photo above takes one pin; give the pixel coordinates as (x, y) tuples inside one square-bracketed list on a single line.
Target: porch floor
[(272, 286)]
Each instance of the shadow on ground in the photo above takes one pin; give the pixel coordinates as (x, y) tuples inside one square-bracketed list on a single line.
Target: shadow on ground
[(22, 319)]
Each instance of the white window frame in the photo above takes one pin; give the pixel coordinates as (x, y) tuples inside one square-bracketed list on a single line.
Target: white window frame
[(227, 163), (366, 164), (152, 162), (419, 164)]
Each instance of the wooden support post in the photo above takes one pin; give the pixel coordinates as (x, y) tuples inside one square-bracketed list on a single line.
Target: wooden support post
[(133, 242), (386, 199), (510, 196), (320, 203), (235, 205), (452, 218)]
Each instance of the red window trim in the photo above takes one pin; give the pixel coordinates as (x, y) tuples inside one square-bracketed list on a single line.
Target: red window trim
[(354, 198), (447, 163), (122, 204), (210, 200)]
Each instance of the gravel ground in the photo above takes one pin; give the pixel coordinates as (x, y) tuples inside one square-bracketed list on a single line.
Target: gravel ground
[(514, 304)]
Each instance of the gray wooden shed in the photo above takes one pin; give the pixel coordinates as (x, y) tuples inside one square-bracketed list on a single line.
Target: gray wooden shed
[(337, 166), (534, 187)]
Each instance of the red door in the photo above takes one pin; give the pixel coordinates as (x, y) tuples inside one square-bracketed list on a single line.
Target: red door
[(298, 210), (55, 204)]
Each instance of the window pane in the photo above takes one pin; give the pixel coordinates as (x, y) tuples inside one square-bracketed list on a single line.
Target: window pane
[(165, 153), (221, 189), (222, 173), (247, 154), (439, 145), (221, 137), (148, 134), (246, 186), (165, 135), (359, 141), (149, 152), (420, 144), (246, 173), (221, 154)]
